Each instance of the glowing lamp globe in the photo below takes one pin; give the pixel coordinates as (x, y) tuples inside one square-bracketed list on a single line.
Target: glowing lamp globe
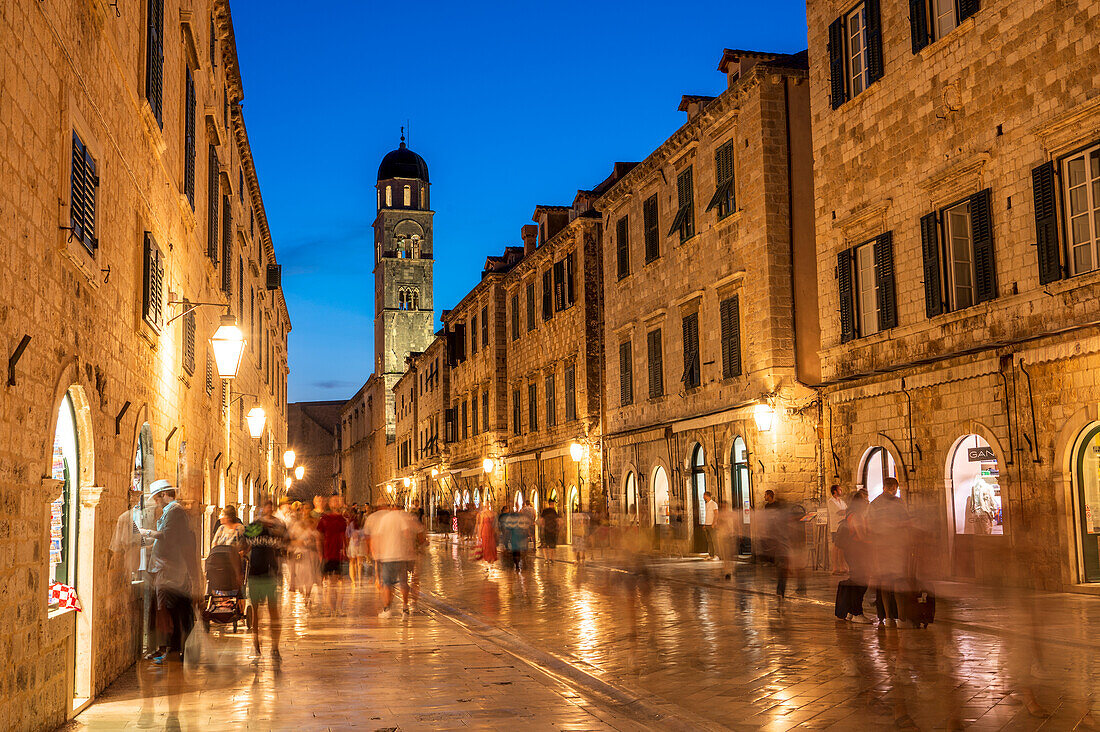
[(487, 465), (299, 472), (576, 451), (256, 419), (288, 459), (228, 345)]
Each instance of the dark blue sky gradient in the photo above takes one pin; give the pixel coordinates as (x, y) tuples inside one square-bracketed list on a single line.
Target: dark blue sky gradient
[(511, 104)]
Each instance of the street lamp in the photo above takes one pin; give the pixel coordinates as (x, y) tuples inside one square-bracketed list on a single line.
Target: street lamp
[(256, 419), (406, 481), (228, 345), (487, 465), (287, 483), (764, 416), (576, 451), (435, 473), (288, 459), (299, 472)]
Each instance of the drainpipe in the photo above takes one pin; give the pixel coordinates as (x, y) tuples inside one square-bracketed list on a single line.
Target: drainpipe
[(1034, 429), (909, 418)]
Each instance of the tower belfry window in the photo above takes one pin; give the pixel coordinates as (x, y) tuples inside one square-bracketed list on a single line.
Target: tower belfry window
[(407, 196), (389, 196)]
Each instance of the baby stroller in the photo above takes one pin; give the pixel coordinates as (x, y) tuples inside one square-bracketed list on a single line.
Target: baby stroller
[(225, 601)]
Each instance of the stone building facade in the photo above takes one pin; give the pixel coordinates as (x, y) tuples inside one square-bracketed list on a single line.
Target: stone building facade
[(129, 195), (421, 396), (958, 219), (363, 449), (311, 433), (710, 317)]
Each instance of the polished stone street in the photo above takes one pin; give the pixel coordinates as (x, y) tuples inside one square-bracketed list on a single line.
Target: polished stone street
[(606, 647)]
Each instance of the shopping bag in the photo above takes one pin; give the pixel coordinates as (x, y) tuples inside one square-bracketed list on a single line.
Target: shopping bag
[(197, 650)]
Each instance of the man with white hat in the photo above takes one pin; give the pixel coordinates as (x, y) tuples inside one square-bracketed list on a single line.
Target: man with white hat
[(174, 566)]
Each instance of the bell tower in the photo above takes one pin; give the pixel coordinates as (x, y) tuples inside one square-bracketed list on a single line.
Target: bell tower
[(403, 304)]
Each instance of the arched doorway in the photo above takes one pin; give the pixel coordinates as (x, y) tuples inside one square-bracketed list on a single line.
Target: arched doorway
[(660, 497), (64, 512), (698, 487), (878, 465), (517, 502), (630, 498), (1086, 465), (572, 506), (974, 498), (742, 500)]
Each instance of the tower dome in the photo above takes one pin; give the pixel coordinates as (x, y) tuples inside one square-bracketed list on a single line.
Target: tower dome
[(403, 163)]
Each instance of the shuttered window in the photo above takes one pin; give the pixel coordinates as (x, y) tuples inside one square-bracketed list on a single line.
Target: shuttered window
[(473, 414), (533, 406), (189, 138), (152, 309), (547, 294), (551, 404), (473, 334), (154, 59), (209, 372), (559, 286), (465, 419), (517, 413), (692, 371), (240, 289), (855, 51), (626, 374), (212, 206), (724, 192), (84, 190), (656, 367), (530, 306), (484, 411), (188, 358), (959, 263), (865, 276), (515, 317), (652, 233), (485, 326), (885, 288), (729, 311), (1081, 203), (684, 222), (213, 41), (227, 247), (570, 280), (1046, 224), (930, 20), (622, 247), (570, 393)]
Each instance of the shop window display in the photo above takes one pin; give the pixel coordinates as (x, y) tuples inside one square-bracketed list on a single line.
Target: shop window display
[(878, 465), (63, 515), (976, 490), (660, 497), (630, 504), (1088, 486)]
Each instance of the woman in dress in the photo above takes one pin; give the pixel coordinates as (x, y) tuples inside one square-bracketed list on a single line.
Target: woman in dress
[(486, 533), (305, 548)]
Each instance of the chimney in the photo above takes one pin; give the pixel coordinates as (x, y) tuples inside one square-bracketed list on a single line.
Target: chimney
[(736, 63), (530, 235), (693, 104)]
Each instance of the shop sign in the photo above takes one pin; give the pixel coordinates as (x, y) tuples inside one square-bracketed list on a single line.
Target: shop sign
[(980, 454)]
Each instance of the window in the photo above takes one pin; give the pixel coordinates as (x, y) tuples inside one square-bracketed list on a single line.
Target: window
[(551, 405), (533, 406), (240, 185), (84, 182), (931, 20), (473, 334), (570, 270), (530, 306), (406, 196), (212, 206), (570, 393), (724, 193), (465, 419), (656, 368), (692, 370), (975, 487), (855, 51), (1081, 196), (547, 294), (154, 59), (957, 244), (189, 138), (484, 411), (515, 317), (473, 414), (626, 374), (209, 372), (227, 247), (729, 313), (559, 286), (868, 301), (152, 309), (408, 298), (485, 326), (517, 413), (684, 222), (652, 233), (389, 196), (622, 247)]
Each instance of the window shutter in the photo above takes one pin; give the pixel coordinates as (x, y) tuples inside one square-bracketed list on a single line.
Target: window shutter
[(730, 315), (685, 194), (652, 234), (533, 406), (559, 285), (967, 8), (189, 138), (547, 294), (1046, 223), (209, 372), (153, 290), (570, 282), (690, 326), (626, 374), (484, 411), (473, 415), (154, 59), (212, 206), (188, 339), (227, 246), (517, 412), (551, 405), (656, 368), (847, 302), (530, 306), (985, 265), (885, 290), (622, 247), (874, 41), (460, 342), (485, 326), (838, 89), (473, 334), (930, 248), (274, 276), (515, 317), (918, 24), (76, 190), (570, 393)]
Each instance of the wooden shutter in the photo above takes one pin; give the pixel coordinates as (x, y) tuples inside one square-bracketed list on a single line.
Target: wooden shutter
[(656, 367), (473, 414), (547, 294), (274, 277), (847, 300), (189, 138), (153, 284), (918, 24), (551, 405), (212, 206), (484, 411), (530, 306), (730, 315), (559, 285), (652, 234), (966, 8), (517, 413), (930, 248), (485, 326), (874, 40), (723, 173), (1046, 223), (154, 59), (838, 87), (209, 372), (460, 341), (622, 247), (570, 279), (685, 194), (515, 317), (533, 406), (188, 338), (626, 374), (981, 229), (885, 290), (465, 419), (570, 393), (83, 181), (240, 288), (473, 333), (227, 246), (690, 325)]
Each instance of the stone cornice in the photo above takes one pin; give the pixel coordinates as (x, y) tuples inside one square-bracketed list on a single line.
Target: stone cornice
[(89, 497)]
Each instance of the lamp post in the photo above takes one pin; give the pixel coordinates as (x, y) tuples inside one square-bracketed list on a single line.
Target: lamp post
[(228, 345), (764, 415)]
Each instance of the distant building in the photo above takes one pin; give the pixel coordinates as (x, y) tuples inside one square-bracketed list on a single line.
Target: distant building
[(312, 429)]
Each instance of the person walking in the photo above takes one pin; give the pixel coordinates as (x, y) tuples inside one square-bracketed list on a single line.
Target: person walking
[(333, 528), (515, 529), (836, 510), (394, 538), (851, 538), (266, 538), (305, 548), (725, 530), (710, 513), (230, 530), (548, 520), (582, 531), (174, 566), (357, 549), (889, 521), (486, 533)]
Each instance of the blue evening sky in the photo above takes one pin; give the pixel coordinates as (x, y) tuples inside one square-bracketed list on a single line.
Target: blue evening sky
[(511, 105)]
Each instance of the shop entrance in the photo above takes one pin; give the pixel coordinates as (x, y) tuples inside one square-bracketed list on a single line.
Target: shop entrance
[(1087, 466), (698, 487), (975, 500), (64, 513), (878, 465), (630, 499), (742, 494)]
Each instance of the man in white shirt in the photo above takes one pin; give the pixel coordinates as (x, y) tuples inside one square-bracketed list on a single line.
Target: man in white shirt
[(838, 509), (710, 513), (393, 541)]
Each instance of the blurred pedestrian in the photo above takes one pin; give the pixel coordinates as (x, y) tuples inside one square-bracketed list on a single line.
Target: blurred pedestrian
[(267, 539), (769, 524), (357, 549), (852, 538), (889, 522), (305, 548), (333, 528), (515, 531), (836, 508), (230, 529), (725, 531), (548, 522), (486, 536), (582, 529), (394, 537), (174, 566), (710, 511)]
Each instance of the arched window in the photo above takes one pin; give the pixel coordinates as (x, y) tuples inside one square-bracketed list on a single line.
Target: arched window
[(630, 498), (660, 497), (698, 481), (407, 196), (878, 465), (63, 511), (975, 487), (389, 196), (742, 491)]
